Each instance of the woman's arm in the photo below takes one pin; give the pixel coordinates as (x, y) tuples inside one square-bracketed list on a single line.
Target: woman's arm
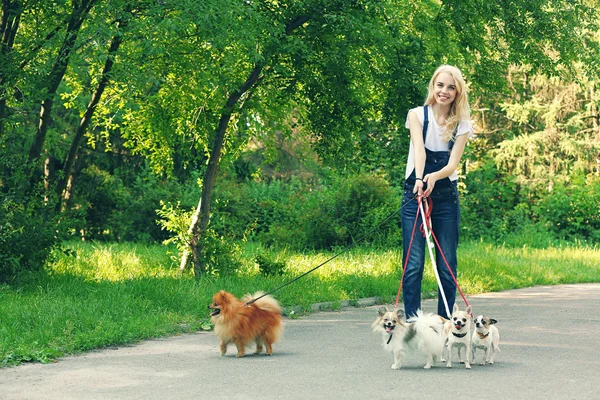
[(416, 137), (457, 152)]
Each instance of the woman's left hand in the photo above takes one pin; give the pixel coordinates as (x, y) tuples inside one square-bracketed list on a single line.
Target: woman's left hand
[(430, 179)]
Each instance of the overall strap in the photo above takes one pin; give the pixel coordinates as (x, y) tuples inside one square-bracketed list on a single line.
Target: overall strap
[(425, 122), (451, 144)]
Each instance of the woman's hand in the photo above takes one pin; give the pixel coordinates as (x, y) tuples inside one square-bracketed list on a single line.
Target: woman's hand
[(430, 179), (418, 189)]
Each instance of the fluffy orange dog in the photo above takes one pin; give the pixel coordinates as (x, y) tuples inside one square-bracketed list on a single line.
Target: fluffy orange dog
[(234, 322)]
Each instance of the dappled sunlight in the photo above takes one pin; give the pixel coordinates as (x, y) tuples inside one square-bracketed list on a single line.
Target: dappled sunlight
[(111, 262), (375, 264)]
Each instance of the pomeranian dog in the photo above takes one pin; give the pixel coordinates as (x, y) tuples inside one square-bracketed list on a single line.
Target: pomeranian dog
[(425, 335), (235, 322), (458, 333), (486, 337)]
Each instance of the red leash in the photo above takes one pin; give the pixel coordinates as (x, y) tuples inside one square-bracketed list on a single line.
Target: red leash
[(412, 237)]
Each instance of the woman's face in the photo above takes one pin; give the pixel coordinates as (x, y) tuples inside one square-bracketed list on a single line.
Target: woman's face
[(444, 89)]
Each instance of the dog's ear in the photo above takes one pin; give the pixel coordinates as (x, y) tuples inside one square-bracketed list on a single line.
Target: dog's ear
[(455, 308), (381, 311), (468, 310), (492, 321), (400, 314), (223, 297)]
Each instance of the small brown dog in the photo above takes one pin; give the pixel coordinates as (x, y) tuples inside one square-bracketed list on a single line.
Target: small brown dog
[(234, 322)]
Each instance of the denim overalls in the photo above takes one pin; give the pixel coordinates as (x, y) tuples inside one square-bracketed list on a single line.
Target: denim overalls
[(445, 218)]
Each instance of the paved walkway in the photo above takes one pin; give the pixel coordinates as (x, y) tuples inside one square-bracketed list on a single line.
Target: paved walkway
[(549, 341)]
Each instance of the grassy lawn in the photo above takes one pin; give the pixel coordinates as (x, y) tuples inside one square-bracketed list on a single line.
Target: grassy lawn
[(98, 295)]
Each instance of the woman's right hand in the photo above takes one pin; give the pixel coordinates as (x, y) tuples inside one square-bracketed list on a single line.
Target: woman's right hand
[(418, 189)]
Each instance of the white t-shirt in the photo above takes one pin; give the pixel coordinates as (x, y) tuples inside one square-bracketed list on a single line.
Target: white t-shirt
[(434, 141)]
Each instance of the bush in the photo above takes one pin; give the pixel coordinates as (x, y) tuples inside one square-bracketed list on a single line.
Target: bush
[(268, 266), (222, 255), (486, 199), (115, 210), (28, 234), (572, 211), (28, 225), (335, 215), (495, 208)]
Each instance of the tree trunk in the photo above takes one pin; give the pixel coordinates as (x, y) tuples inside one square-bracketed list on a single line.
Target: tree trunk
[(202, 215), (9, 24), (200, 227), (56, 75), (186, 253), (85, 122), (594, 111)]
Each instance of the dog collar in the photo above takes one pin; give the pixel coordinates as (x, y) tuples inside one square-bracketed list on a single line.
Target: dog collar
[(390, 339), (481, 335), (460, 335)]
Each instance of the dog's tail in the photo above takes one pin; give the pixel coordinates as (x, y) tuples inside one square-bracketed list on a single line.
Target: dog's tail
[(266, 303), (431, 329)]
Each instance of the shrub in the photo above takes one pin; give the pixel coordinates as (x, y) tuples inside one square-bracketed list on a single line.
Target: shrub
[(116, 210), (336, 215), (268, 266), (27, 235), (572, 211), (222, 255), (486, 199), (28, 225)]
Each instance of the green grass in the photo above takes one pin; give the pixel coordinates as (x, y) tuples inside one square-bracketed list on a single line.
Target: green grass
[(98, 295)]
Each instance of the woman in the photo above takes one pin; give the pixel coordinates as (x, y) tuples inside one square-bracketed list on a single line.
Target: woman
[(438, 133)]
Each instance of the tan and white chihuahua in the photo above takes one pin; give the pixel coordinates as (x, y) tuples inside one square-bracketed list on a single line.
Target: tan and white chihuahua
[(486, 337), (425, 334), (458, 334)]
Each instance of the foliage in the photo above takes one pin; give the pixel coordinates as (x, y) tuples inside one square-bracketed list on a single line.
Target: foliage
[(572, 211), (334, 76), (26, 238), (486, 199), (222, 255), (28, 228), (335, 215), (116, 207), (269, 266), (554, 124)]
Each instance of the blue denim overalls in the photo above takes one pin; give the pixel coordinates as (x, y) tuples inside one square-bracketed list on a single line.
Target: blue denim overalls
[(445, 218)]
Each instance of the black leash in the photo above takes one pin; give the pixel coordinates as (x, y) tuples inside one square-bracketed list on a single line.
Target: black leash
[(336, 255)]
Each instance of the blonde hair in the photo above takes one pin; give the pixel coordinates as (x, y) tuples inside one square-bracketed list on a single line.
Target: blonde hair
[(460, 109)]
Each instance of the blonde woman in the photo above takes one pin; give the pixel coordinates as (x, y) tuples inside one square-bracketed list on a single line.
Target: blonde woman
[(438, 134)]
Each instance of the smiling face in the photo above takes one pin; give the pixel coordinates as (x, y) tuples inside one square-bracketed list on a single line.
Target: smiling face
[(389, 319), (459, 320), (444, 89)]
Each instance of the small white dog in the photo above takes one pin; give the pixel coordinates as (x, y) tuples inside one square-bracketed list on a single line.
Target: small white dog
[(458, 334), (425, 334), (486, 337)]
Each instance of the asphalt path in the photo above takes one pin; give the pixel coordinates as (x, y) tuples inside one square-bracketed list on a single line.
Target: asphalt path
[(549, 341)]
